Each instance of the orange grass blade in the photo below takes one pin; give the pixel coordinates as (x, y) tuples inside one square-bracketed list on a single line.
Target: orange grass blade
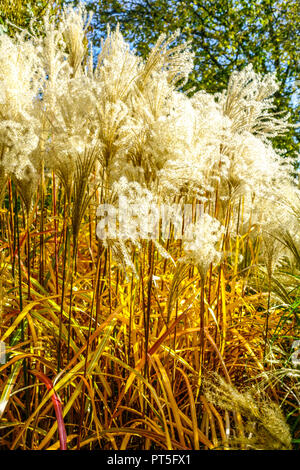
[(193, 410), (57, 407), (173, 405)]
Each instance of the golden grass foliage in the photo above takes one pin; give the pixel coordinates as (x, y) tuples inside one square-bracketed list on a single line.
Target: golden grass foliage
[(149, 344)]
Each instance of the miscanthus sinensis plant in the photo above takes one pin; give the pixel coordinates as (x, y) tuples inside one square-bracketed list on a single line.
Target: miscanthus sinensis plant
[(56, 104), (96, 122), (101, 122), (116, 128)]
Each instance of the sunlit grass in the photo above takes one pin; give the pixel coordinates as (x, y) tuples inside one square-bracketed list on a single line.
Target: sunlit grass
[(182, 340), (129, 364)]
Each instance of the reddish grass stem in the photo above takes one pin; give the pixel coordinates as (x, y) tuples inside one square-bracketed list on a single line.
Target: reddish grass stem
[(57, 407)]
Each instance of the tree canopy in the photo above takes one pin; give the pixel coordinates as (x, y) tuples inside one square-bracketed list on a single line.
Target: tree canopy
[(19, 13)]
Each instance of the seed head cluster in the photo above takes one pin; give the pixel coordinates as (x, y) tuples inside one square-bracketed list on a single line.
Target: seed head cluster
[(59, 105)]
